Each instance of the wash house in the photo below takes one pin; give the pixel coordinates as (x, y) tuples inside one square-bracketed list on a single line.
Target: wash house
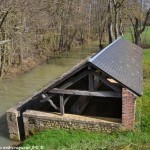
[(103, 87)]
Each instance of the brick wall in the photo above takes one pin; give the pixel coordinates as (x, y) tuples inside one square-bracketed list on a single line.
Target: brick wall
[(128, 109)]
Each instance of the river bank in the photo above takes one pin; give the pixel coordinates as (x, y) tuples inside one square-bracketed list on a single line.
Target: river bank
[(26, 66), (30, 63)]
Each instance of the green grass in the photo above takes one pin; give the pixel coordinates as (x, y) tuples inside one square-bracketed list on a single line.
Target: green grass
[(81, 140)]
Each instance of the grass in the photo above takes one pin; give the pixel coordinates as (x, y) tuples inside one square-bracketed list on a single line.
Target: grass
[(82, 140), (61, 139)]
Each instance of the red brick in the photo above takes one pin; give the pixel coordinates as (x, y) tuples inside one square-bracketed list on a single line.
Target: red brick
[(128, 109)]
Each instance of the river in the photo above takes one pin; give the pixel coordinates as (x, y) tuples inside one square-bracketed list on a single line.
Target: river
[(14, 90)]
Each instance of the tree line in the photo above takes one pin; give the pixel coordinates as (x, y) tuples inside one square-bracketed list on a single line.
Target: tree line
[(34, 29)]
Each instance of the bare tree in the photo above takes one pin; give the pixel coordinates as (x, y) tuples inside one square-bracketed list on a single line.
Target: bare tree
[(139, 18)]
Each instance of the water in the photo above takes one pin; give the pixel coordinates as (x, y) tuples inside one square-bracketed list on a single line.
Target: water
[(14, 90)]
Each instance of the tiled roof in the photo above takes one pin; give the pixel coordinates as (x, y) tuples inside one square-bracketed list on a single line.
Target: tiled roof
[(122, 60)]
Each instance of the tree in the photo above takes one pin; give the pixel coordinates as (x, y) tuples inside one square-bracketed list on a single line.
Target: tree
[(115, 7), (139, 18), (3, 16)]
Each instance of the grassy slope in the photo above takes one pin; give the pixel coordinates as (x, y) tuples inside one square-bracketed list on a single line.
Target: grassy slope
[(73, 140)]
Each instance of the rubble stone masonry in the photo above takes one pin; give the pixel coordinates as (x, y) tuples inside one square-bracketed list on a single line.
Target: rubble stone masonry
[(35, 121), (12, 121)]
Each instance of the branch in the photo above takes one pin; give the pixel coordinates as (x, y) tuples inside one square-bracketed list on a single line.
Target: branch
[(132, 22), (5, 16), (145, 21), (3, 19), (119, 4)]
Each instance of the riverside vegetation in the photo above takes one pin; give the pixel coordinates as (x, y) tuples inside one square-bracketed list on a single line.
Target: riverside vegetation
[(31, 31), (74, 139)]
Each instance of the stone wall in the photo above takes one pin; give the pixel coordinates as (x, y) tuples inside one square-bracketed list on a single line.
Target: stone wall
[(35, 121), (12, 121), (128, 109), (15, 120)]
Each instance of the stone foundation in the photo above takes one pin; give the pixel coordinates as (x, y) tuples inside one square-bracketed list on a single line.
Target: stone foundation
[(35, 121), (12, 121)]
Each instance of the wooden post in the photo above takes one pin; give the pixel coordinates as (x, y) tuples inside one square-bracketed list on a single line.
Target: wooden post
[(62, 105), (91, 83)]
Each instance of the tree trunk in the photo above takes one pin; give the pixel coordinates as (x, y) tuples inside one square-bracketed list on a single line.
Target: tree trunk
[(2, 61), (137, 38), (110, 31), (110, 26), (2, 48), (116, 20)]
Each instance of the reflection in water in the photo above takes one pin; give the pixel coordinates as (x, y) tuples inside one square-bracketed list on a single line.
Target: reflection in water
[(14, 90)]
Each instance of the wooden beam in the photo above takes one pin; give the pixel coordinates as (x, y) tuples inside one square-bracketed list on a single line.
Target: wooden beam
[(46, 98), (62, 110), (86, 93), (66, 100), (91, 79), (74, 80), (105, 81)]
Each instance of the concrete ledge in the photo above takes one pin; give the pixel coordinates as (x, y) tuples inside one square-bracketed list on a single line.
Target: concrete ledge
[(35, 121)]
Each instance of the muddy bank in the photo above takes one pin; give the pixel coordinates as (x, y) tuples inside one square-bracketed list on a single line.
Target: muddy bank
[(26, 66)]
